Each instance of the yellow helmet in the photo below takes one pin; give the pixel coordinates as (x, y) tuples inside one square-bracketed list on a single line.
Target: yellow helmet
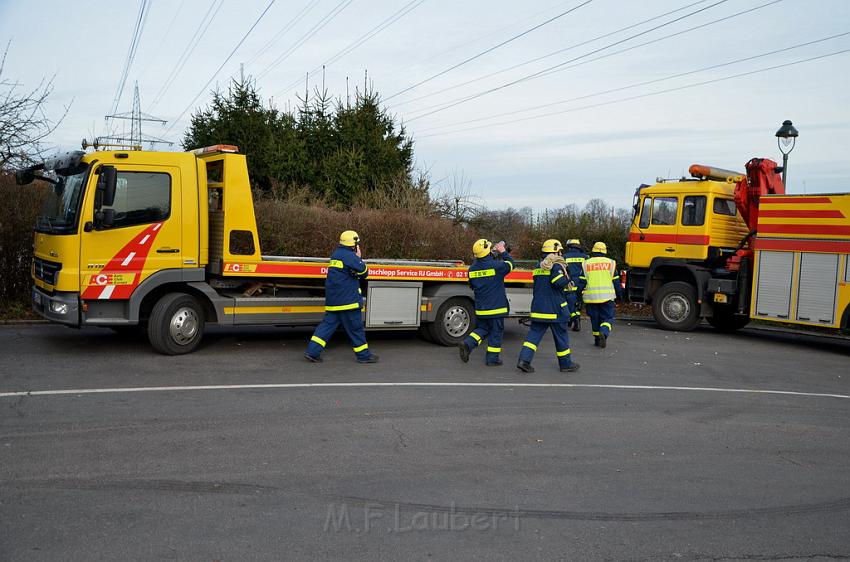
[(481, 248), (552, 245), (600, 248), (349, 238), (573, 242)]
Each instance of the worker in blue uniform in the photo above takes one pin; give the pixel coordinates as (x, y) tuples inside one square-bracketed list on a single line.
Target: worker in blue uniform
[(601, 286), (487, 279), (343, 301), (549, 309), (574, 257)]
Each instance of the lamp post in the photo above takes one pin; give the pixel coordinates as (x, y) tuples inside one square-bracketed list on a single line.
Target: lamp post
[(786, 138)]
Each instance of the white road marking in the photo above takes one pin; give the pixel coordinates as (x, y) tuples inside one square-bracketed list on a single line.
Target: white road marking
[(144, 240), (106, 292), (128, 259), (416, 384)]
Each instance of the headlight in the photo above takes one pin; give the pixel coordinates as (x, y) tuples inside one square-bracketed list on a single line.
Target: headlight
[(59, 308)]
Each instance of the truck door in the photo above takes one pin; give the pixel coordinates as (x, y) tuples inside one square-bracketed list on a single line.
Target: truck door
[(658, 225), (145, 236)]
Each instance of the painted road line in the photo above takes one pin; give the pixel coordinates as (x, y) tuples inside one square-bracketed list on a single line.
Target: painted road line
[(80, 391)]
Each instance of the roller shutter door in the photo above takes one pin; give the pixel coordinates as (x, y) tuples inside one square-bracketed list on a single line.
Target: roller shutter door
[(773, 290), (817, 288)]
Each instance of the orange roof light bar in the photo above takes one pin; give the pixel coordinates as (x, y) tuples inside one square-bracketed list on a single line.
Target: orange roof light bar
[(215, 148)]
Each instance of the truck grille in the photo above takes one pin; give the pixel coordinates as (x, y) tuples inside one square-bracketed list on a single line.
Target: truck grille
[(45, 270)]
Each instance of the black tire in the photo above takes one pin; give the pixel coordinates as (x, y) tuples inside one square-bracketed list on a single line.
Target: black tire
[(455, 319), (176, 324), (725, 320), (675, 307)]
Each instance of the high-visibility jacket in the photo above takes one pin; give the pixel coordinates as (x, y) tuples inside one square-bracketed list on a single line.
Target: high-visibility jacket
[(601, 279), (487, 279), (548, 301), (574, 258), (342, 286)]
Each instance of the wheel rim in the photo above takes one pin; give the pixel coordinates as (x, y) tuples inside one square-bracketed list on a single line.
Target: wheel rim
[(456, 321), (184, 326), (676, 308)]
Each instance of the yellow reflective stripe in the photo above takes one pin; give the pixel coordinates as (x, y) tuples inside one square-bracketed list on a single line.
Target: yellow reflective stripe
[(494, 349), (351, 306), (544, 316), (365, 269), (529, 345), (606, 324), (576, 314), (563, 353), (491, 312), (336, 263), (510, 265), (319, 341), (361, 348), (475, 336), (574, 260), (482, 273), (540, 271), (571, 289), (582, 277), (595, 333), (563, 304), (556, 277)]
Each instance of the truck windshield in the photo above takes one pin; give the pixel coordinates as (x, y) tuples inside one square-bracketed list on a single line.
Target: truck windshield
[(62, 207)]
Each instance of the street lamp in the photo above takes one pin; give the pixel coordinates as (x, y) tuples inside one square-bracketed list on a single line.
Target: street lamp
[(786, 138)]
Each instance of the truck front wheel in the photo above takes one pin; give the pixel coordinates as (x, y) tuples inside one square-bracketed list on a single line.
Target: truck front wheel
[(455, 319), (176, 324), (675, 307)]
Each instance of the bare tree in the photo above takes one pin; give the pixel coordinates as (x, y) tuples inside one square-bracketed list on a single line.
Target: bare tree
[(24, 124), (455, 201)]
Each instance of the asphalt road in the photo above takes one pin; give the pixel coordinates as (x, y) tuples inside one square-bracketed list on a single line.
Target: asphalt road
[(686, 472)]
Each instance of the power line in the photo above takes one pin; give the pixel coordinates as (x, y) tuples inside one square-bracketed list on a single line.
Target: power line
[(141, 18), (184, 57), (226, 60), (546, 56), (307, 36), (491, 49), (559, 65), (403, 11), (646, 95), (161, 42), (277, 36), (644, 83)]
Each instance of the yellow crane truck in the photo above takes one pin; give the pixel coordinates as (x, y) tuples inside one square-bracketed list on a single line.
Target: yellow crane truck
[(729, 247), (168, 241)]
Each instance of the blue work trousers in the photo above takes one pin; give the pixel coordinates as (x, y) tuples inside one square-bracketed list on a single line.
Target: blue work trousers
[(490, 329), (351, 321), (562, 342)]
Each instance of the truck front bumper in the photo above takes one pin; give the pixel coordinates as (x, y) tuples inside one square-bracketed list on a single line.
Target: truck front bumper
[(62, 308)]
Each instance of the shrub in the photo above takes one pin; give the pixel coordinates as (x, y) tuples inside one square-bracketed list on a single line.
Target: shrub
[(18, 212)]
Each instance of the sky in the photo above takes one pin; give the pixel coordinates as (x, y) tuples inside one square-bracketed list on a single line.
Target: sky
[(462, 76)]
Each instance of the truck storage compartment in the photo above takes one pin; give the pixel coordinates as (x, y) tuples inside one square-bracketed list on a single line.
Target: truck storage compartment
[(816, 289), (393, 304), (773, 287)]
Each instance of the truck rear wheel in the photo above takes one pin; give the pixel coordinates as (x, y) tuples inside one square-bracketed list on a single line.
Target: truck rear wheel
[(675, 307), (724, 320), (176, 324), (455, 319)]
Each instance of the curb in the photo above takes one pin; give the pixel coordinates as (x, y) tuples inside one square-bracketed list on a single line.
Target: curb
[(34, 321)]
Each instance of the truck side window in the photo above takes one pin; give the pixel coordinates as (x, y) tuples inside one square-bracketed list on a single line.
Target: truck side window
[(645, 212), (664, 211), (141, 198), (724, 206), (693, 210)]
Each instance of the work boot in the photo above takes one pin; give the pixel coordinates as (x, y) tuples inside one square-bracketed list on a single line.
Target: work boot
[(312, 359), (371, 359), (464, 352), (603, 341), (571, 369), (496, 363), (577, 324), (596, 341), (525, 367)]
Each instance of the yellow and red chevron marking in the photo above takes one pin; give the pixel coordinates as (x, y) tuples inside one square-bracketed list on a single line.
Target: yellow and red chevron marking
[(120, 277), (805, 217), (377, 271)]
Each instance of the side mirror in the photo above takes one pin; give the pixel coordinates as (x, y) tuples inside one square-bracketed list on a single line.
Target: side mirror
[(24, 177), (107, 179)]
